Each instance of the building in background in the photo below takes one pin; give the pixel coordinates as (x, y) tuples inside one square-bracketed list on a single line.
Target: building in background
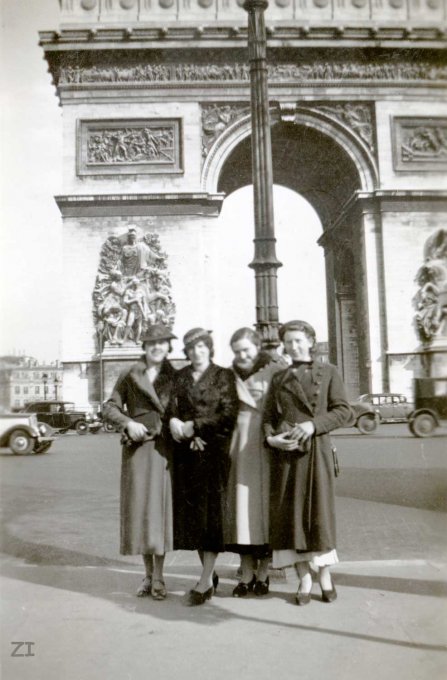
[(24, 379), (157, 133)]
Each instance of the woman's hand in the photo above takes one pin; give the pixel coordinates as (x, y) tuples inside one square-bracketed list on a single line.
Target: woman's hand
[(188, 429), (302, 432), (176, 429), (281, 441), (137, 432)]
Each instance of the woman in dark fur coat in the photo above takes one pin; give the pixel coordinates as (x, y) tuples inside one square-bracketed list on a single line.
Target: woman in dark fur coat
[(202, 411), (305, 402)]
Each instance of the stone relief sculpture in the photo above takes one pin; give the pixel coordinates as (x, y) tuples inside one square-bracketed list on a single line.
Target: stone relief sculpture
[(132, 289), (215, 119), (424, 143), (356, 116), (131, 145), (319, 70), (430, 300)]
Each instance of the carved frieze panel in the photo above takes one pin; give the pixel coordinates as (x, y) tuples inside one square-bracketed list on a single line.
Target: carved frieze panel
[(132, 288), (419, 144), (216, 118), (144, 146), (155, 73)]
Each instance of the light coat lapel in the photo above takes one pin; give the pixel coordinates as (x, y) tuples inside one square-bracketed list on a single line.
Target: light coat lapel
[(244, 393)]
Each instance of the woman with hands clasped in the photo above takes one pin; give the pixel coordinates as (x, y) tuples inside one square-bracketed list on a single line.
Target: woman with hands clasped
[(137, 407), (304, 403), (202, 415)]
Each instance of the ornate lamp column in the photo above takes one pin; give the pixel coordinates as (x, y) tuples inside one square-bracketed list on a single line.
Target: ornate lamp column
[(265, 262)]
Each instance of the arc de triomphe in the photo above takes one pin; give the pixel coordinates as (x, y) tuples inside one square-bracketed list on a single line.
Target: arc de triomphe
[(156, 123)]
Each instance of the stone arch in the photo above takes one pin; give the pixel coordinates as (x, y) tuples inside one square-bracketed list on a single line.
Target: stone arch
[(319, 157), (349, 142)]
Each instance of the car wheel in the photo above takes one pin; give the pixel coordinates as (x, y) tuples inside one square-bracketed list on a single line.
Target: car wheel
[(423, 425), (108, 427), (367, 423), (81, 427), (20, 442)]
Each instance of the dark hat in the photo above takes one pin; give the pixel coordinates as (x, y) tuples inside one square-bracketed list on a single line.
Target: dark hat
[(297, 325), (196, 334), (157, 331)]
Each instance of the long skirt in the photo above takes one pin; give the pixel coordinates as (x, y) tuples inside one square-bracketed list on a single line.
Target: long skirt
[(146, 499)]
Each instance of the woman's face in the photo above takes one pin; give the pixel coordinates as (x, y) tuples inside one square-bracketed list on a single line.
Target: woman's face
[(245, 353), (156, 351), (297, 345), (199, 354)]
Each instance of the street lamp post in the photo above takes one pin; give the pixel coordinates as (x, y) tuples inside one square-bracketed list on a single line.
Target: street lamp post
[(100, 330), (265, 262), (56, 387), (45, 381)]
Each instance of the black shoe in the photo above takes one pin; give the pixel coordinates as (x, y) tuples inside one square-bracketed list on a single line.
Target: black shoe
[(195, 598), (215, 580), (262, 587), (302, 598), (329, 595), (242, 589)]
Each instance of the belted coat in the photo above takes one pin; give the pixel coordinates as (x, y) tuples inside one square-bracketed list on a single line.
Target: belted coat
[(302, 497), (146, 467)]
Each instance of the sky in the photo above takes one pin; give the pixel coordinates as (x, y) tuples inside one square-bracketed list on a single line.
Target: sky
[(31, 227), (30, 170)]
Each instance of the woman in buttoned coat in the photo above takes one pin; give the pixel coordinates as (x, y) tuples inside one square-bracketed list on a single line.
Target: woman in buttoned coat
[(305, 402), (137, 407)]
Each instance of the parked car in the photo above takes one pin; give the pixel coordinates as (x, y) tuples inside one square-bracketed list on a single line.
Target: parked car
[(390, 407), (364, 417), (63, 416), (22, 433), (430, 406)]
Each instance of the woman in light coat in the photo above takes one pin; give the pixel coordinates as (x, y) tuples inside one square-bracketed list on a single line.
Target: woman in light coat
[(247, 516)]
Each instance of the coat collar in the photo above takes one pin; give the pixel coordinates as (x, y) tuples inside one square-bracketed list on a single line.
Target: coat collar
[(153, 391)]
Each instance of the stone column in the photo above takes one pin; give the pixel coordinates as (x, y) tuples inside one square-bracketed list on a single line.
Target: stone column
[(265, 262)]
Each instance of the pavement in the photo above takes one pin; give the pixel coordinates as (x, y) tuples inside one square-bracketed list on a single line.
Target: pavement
[(68, 597)]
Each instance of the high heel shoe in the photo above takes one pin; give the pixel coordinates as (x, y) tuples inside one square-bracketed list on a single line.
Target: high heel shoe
[(196, 598), (242, 589), (328, 595), (158, 590), (145, 588), (302, 598), (262, 587), (215, 580)]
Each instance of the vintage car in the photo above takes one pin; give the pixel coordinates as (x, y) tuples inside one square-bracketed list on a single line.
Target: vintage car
[(430, 406), (390, 407), (23, 434), (364, 417), (63, 416)]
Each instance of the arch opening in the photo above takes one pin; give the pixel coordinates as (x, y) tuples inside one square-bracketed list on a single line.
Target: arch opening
[(316, 171)]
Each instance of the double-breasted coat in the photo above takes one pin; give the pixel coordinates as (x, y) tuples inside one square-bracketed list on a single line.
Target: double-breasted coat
[(302, 510), (200, 477), (146, 467), (247, 515)]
